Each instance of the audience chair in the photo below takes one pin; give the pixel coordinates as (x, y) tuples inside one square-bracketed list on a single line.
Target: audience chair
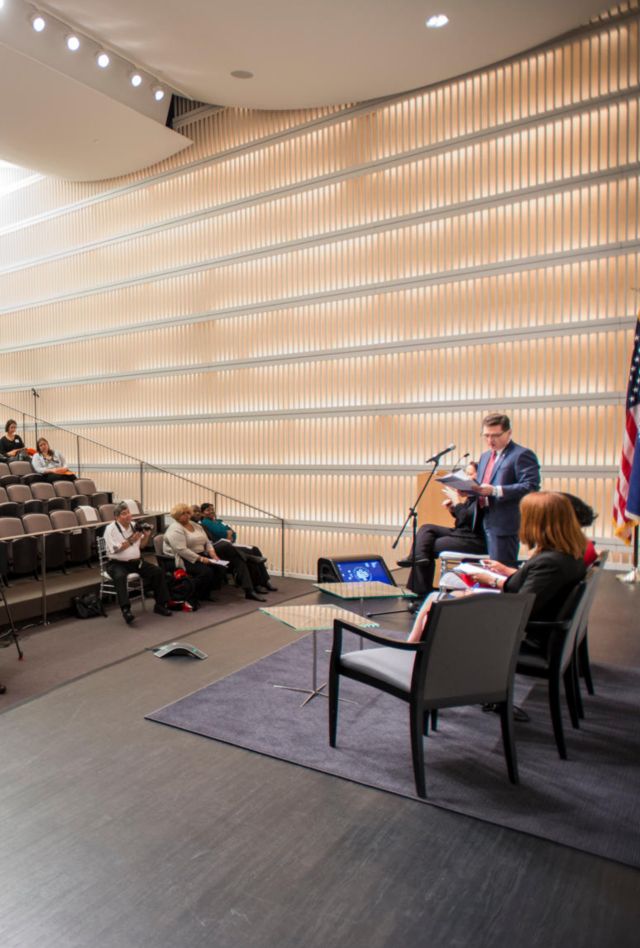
[(20, 468), (45, 493), (105, 512), (7, 479), (85, 514), (4, 468), (165, 562), (85, 485), (21, 494), (549, 653), (11, 631), (52, 548), (107, 587), (3, 496), (67, 490), (23, 551), (9, 509), (467, 656), (77, 542), (134, 506), (32, 478), (582, 666)]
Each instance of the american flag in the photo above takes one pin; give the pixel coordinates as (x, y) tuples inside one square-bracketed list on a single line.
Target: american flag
[(626, 502)]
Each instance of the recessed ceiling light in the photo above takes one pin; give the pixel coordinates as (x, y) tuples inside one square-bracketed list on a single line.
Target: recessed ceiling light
[(73, 43), (242, 74), (103, 59), (38, 22), (135, 79), (158, 93), (437, 21)]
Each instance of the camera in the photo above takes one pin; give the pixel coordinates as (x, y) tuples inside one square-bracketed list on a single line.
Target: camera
[(142, 527)]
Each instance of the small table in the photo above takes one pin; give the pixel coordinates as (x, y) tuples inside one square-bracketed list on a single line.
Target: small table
[(313, 618), (362, 591)]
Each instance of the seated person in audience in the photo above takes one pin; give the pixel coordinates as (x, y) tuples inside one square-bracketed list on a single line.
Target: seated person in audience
[(256, 562), (550, 529), (586, 516), (432, 539), (51, 464), (124, 547), (11, 444), (187, 540)]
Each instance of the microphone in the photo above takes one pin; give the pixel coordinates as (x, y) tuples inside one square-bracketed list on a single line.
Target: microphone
[(436, 457), (457, 466)]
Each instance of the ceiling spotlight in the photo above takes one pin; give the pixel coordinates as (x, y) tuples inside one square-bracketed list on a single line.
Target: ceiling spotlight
[(103, 59), (38, 22), (135, 79), (158, 93), (73, 43), (437, 21)]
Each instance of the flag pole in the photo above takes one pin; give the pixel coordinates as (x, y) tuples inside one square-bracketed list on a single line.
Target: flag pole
[(633, 576)]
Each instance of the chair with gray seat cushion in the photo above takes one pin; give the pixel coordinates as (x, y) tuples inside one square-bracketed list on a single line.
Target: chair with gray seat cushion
[(77, 541), (52, 546), (467, 656)]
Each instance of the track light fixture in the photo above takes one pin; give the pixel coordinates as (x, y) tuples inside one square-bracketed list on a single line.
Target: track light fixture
[(102, 58), (158, 93), (135, 79), (73, 43)]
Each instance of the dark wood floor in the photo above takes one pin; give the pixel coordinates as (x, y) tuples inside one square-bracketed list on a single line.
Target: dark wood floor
[(119, 833)]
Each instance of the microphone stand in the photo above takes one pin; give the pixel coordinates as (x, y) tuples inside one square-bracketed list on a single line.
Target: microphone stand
[(413, 517), (35, 411)]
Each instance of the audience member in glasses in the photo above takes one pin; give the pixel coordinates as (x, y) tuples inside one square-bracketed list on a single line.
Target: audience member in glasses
[(550, 528), (11, 444), (49, 463), (432, 539), (252, 556)]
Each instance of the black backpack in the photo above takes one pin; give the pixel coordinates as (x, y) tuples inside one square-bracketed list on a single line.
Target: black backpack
[(88, 606)]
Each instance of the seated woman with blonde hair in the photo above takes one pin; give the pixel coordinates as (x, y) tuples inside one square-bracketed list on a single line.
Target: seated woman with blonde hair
[(550, 528), (187, 542)]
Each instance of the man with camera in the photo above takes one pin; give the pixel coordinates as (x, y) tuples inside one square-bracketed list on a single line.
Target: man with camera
[(124, 543)]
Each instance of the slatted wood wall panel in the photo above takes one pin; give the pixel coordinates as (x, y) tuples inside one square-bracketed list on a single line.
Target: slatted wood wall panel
[(303, 306)]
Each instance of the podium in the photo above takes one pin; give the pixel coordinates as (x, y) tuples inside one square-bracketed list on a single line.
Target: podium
[(430, 509)]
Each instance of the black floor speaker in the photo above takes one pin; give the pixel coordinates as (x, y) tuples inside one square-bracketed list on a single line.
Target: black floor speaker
[(362, 568)]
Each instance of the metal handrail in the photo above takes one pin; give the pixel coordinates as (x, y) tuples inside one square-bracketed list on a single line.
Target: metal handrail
[(146, 465)]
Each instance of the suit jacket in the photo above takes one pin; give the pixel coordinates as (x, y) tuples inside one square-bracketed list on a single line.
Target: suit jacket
[(550, 576), (517, 471)]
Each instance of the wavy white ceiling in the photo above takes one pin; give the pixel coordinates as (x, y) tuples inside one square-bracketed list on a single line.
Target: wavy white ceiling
[(302, 53)]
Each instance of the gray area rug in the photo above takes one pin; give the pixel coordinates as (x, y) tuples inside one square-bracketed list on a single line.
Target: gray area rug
[(589, 802)]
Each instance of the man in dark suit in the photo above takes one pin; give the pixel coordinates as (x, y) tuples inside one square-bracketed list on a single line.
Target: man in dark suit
[(506, 472)]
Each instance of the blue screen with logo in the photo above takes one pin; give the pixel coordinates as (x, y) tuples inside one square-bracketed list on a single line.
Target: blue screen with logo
[(363, 571)]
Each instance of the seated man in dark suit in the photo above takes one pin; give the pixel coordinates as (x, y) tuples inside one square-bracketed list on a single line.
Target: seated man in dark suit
[(432, 539)]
